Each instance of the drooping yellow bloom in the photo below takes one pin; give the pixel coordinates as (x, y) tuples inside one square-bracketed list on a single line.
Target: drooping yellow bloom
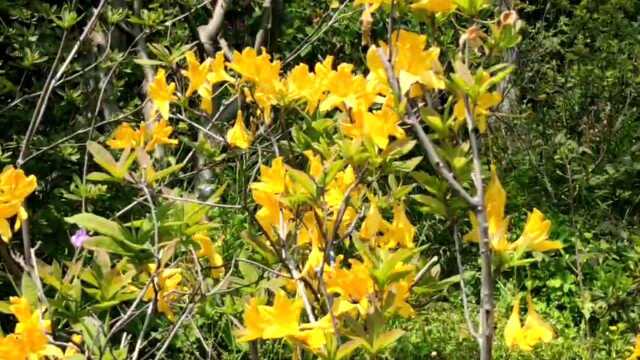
[(495, 199), (125, 137), (160, 132), (400, 232), (435, 6), (238, 135), (636, 351), (15, 187), (167, 282), (208, 249), (161, 94), (535, 236), (253, 323), (482, 108), (534, 331), (373, 224)]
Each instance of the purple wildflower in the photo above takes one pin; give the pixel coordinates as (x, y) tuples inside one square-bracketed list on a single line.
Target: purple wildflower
[(79, 238)]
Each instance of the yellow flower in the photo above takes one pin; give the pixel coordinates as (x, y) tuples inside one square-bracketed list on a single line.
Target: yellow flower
[(314, 261), (534, 331), (253, 322), (435, 6), (238, 135), (315, 164), (636, 350), (377, 126), (30, 335), (354, 284), (126, 137), (535, 236), (309, 231), (272, 179), (495, 199), (400, 232), (413, 65), (337, 188), (196, 72), (401, 290), (208, 250), (15, 187), (255, 68), (347, 90), (481, 108), (161, 94), (271, 215), (167, 283), (373, 223), (271, 322), (160, 133), (217, 72)]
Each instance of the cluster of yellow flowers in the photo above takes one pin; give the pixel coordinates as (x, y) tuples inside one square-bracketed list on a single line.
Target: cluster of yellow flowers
[(534, 331), (147, 136), (535, 236), (15, 187), (29, 340), (164, 289)]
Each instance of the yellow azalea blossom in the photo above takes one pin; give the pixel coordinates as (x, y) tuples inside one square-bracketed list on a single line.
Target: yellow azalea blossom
[(167, 282), (412, 65), (495, 199), (208, 250), (373, 224), (217, 72), (29, 339), (314, 261), (238, 135), (160, 132), (125, 137), (301, 84), (401, 291), (271, 322), (161, 94), (315, 164), (354, 284), (347, 90), (15, 187), (313, 339), (535, 236), (309, 233), (196, 72), (435, 6), (377, 126), (400, 232), (272, 179), (482, 109), (253, 67), (337, 188), (271, 215), (534, 331), (636, 350)]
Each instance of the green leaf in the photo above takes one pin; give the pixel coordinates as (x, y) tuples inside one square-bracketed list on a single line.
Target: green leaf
[(103, 158), (406, 166), (387, 339), (107, 244), (100, 225), (148, 62), (165, 172), (100, 176), (433, 205), (29, 289), (347, 348), (399, 148)]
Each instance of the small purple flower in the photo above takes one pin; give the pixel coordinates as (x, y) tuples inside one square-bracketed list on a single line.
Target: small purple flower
[(79, 238)]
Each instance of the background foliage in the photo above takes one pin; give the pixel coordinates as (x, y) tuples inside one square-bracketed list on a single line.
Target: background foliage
[(567, 141)]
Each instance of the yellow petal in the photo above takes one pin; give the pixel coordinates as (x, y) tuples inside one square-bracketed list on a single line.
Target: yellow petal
[(238, 135)]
